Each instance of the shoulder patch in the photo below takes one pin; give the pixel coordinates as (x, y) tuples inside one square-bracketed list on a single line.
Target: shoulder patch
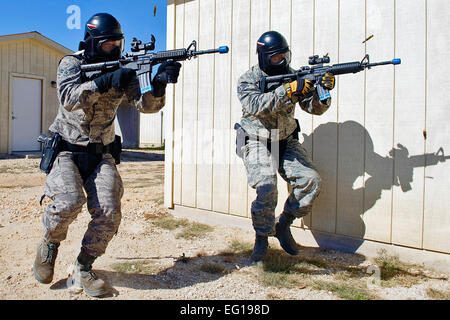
[(68, 65), (65, 71), (241, 87)]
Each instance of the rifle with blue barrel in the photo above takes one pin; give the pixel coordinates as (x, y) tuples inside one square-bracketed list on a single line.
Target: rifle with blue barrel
[(317, 69), (142, 60)]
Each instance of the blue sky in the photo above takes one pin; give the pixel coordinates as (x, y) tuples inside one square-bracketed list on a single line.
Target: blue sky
[(50, 18)]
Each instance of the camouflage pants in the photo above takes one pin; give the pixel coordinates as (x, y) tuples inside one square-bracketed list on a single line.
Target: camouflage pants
[(294, 167), (104, 191)]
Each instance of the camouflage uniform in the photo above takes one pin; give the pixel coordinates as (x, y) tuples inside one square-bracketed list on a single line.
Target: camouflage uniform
[(86, 116), (268, 119)]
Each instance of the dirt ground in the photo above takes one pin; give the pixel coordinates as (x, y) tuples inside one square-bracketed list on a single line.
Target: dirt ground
[(146, 260)]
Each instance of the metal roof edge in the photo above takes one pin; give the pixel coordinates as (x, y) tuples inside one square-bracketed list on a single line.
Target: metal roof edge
[(37, 36)]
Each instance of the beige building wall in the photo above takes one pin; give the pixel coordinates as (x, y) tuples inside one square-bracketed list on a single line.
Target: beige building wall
[(28, 55), (151, 129), (376, 148)]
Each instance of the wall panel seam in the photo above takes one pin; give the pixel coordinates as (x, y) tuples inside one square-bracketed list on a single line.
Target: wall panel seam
[(270, 14), (249, 59), (182, 110), (312, 117), (230, 105), (197, 124), (425, 122), (364, 113), (172, 142), (393, 124), (213, 105)]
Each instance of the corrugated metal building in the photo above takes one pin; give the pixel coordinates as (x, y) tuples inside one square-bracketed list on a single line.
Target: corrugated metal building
[(28, 104), (379, 148)]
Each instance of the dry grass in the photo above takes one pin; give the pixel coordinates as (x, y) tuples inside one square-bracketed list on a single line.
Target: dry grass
[(194, 230), (281, 270), (170, 223), (437, 294), (346, 290), (349, 282), (138, 267), (190, 230), (394, 273), (237, 247), (214, 268)]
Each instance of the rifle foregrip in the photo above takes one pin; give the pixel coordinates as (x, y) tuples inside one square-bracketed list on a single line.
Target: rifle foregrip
[(99, 66), (343, 68), (178, 54)]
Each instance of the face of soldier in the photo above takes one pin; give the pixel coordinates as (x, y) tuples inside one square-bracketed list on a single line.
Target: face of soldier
[(277, 58), (109, 46), (110, 49)]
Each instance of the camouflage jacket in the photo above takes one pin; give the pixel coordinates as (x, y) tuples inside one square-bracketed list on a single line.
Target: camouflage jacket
[(84, 114), (271, 115)]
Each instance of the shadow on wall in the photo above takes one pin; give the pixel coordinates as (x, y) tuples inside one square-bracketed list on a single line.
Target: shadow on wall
[(362, 175)]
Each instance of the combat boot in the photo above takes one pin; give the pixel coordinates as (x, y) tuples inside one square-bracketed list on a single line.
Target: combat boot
[(260, 248), (283, 234), (44, 263), (85, 278)]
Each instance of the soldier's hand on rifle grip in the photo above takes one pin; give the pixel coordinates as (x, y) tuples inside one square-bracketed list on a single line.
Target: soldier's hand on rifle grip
[(172, 71), (167, 73), (328, 81), (118, 79)]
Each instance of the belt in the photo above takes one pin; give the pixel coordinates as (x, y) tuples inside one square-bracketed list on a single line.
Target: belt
[(92, 148), (269, 141)]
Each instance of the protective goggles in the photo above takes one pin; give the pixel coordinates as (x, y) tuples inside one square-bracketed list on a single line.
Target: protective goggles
[(109, 44), (278, 57)]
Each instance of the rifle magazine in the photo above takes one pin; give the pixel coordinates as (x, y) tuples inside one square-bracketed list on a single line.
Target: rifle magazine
[(145, 82)]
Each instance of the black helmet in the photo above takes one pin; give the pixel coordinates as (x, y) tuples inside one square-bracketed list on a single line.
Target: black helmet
[(99, 28), (269, 44)]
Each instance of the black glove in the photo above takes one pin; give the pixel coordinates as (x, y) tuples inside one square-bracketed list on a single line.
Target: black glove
[(118, 79), (167, 73)]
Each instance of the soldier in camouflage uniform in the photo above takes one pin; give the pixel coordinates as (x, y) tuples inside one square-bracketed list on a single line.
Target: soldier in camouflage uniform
[(271, 143), (85, 121)]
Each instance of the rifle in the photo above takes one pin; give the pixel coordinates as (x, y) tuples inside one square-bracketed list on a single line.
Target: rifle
[(318, 70), (142, 61)]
